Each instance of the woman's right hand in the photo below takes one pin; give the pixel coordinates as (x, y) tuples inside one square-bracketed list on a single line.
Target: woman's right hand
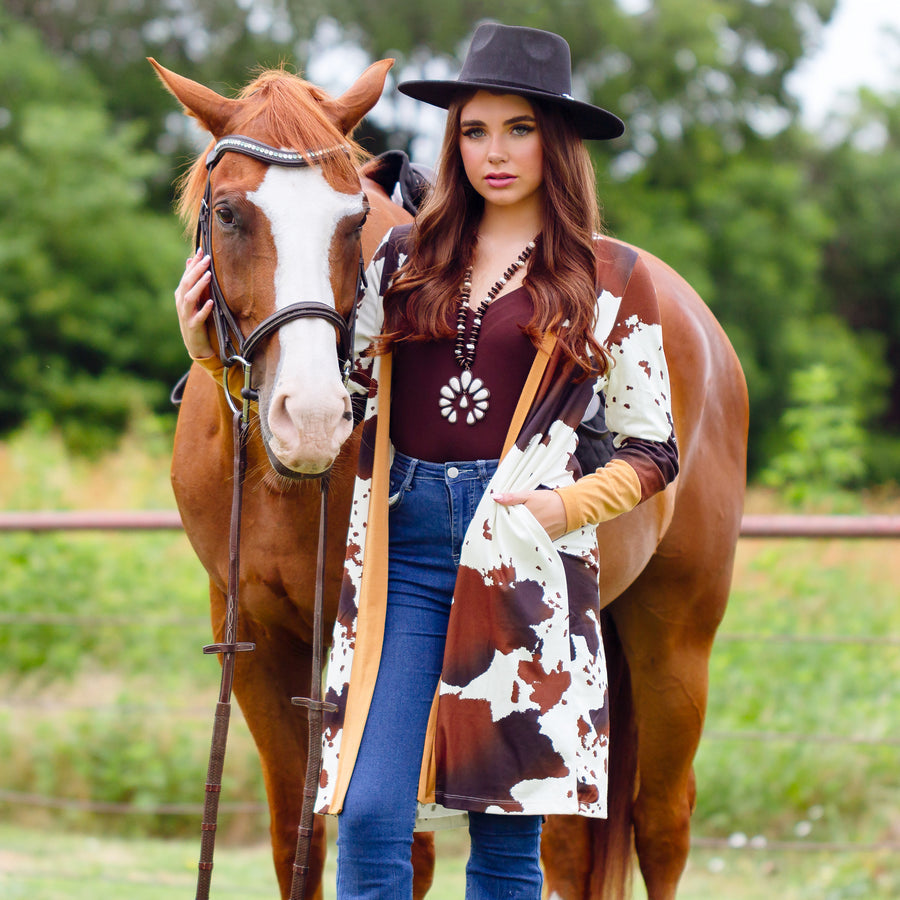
[(194, 305)]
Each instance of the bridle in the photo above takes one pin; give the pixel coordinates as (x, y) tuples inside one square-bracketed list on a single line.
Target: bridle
[(234, 349), (233, 346)]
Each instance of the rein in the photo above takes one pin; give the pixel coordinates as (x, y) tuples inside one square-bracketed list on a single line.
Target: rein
[(235, 349)]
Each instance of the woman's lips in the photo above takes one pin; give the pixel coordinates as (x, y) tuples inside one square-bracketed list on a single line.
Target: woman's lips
[(500, 179)]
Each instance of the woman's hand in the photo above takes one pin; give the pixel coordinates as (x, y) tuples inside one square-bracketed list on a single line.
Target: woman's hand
[(193, 304), (546, 506)]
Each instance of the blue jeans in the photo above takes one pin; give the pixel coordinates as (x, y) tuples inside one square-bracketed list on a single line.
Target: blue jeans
[(431, 507)]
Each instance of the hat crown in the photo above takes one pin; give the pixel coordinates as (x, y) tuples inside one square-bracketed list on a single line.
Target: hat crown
[(519, 58)]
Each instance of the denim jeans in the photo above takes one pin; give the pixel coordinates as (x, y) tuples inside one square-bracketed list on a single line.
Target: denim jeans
[(431, 507)]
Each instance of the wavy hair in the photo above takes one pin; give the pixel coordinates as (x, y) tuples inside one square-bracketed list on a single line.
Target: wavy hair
[(422, 300)]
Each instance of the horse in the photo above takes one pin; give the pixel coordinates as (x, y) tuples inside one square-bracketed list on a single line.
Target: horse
[(666, 566), (261, 217)]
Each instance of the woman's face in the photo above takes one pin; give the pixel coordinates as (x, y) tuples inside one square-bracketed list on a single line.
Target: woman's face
[(501, 149)]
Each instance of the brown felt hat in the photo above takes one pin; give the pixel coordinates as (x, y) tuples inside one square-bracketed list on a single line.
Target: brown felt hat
[(511, 59)]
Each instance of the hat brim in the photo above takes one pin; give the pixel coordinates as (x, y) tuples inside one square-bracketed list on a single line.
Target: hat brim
[(592, 122)]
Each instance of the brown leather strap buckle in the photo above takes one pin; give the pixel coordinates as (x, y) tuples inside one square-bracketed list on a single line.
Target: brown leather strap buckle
[(229, 648)]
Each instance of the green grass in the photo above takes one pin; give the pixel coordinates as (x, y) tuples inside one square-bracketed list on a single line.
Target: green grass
[(49, 865), (105, 696), (819, 688)]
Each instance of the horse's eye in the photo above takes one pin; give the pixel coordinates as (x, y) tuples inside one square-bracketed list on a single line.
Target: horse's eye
[(225, 215)]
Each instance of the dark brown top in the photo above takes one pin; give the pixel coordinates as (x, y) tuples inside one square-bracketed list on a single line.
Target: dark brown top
[(503, 359)]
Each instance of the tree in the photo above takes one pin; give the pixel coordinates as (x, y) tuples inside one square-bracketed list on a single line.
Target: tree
[(86, 272), (823, 450), (714, 173), (858, 181)]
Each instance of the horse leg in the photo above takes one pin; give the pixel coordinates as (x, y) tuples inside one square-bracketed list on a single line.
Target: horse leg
[(666, 622), (423, 858), (567, 855), (265, 681), (586, 857)]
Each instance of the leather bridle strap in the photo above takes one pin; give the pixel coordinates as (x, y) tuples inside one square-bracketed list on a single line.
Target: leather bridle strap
[(232, 343), (228, 647), (234, 348), (316, 707), (307, 310)]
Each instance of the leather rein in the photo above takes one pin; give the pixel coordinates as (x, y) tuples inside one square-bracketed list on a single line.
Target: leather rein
[(235, 349)]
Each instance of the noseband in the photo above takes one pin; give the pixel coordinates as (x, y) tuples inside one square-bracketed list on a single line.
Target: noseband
[(233, 346)]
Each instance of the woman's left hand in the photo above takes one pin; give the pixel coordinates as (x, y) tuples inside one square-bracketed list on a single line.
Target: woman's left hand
[(546, 506)]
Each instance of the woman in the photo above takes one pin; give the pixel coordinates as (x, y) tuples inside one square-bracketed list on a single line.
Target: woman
[(467, 663)]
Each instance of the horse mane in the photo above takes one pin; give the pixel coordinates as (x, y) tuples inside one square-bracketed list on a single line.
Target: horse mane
[(283, 110)]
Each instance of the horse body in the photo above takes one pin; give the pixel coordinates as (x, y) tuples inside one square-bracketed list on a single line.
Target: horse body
[(280, 236), (666, 572), (665, 566)]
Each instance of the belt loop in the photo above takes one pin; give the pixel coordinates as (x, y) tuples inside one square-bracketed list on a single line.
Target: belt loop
[(411, 464), (485, 467)]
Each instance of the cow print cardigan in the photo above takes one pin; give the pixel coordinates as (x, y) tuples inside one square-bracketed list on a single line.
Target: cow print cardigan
[(520, 721)]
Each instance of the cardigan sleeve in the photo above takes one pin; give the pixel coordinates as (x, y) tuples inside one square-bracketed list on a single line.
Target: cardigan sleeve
[(214, 367), (369, 321), (638, 413)]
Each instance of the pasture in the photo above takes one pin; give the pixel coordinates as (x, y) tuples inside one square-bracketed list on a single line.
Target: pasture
[(107, 702)]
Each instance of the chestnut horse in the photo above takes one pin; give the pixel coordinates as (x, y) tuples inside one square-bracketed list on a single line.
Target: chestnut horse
[(666, 566)]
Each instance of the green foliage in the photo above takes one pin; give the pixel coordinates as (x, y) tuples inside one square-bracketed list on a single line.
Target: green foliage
[(86, 272), (859, 182), (108, 698), (776, 229), (749, 239), (100, 645), (824, 440)]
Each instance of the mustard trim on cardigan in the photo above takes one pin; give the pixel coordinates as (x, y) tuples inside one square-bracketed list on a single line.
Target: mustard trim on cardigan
[(371, 600), (214, 366), (526, 398)]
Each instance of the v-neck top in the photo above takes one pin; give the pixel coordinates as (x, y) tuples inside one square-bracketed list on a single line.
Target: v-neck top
[(466, 425)]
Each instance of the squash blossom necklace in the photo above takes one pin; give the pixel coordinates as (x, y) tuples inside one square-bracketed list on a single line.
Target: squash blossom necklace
[(464, 396)]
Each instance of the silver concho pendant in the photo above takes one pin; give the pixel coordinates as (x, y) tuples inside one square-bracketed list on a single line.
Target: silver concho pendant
[(464, 397)]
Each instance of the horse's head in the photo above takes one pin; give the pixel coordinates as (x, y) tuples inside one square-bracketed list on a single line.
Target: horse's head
[(282, 236)]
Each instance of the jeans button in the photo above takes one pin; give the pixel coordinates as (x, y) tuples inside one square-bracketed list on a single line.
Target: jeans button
[(452, 472)]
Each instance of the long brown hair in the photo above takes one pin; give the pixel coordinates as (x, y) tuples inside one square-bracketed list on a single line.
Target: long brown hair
[(422, 300)]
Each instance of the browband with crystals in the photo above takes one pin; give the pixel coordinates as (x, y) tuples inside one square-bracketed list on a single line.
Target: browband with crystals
[(238, 143)]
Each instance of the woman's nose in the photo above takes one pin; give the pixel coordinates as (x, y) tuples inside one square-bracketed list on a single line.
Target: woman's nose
[(496, 154)]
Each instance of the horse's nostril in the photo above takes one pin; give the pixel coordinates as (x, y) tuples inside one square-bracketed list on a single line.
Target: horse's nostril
[(348, 416)]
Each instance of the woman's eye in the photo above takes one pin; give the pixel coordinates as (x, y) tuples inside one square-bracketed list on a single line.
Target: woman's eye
[(474, 133), (225, 215), (522, 130)]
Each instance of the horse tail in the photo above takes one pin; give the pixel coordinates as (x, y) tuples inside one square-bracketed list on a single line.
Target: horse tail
[(612, 839)]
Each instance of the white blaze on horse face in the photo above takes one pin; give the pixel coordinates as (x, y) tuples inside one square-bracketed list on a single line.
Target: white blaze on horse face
[(308, 403)]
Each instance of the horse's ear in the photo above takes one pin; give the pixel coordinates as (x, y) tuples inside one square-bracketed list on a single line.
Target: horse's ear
[(211, 109), (347, 111)]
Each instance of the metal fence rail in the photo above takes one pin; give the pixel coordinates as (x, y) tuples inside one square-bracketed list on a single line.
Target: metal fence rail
[(752, 526)]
